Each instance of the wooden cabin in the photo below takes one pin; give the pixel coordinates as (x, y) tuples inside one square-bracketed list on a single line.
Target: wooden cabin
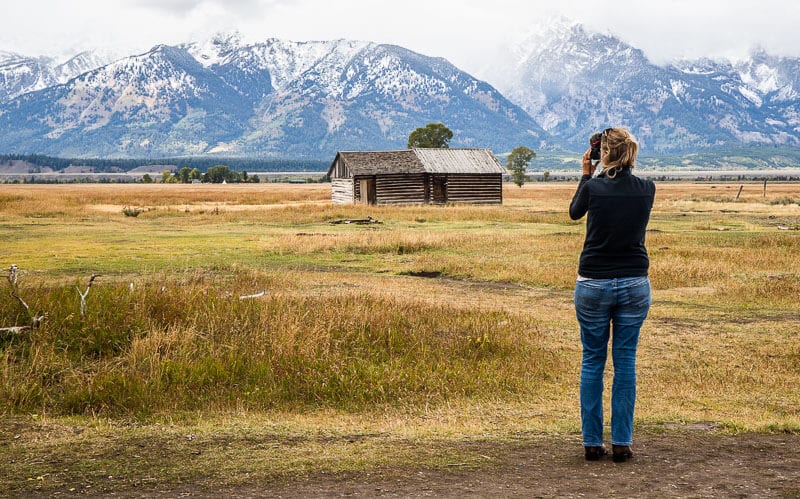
[(417, 176)]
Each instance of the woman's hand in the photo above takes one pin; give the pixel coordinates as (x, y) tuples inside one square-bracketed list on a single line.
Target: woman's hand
[(588, 167)]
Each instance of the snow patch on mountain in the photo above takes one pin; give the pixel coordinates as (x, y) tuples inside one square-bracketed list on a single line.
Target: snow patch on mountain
[(762, 78), (751, 95), (84, 62), (216, 49), (678, 88)]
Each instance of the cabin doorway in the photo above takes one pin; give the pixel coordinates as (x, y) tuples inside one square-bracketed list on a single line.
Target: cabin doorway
[(366, 191), (439, 189)]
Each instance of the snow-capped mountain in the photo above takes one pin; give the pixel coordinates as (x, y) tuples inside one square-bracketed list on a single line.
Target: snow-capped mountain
[(83, 62), (163, 99), (281, 98), (22, 74), (275, 98), (772, 84), (574, 82)]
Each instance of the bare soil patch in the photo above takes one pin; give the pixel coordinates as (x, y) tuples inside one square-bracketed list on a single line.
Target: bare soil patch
[(688, 462)]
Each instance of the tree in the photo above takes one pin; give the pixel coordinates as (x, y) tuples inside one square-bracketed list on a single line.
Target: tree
[(183, 174), (518, 162), (147, 179), (433, 135), (167, 178), (219, 173)]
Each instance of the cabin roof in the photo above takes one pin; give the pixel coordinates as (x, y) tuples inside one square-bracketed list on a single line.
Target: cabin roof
[(459, 161), (419, 161)]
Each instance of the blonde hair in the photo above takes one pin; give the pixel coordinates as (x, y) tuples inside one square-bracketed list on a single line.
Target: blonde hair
[(618, 150)]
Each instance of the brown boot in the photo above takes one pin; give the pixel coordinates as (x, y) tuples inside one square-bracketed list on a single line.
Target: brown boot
[(621, 453), (593, 453)]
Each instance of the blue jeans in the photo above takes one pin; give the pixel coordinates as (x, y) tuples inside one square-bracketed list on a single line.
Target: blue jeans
[(601, 304)]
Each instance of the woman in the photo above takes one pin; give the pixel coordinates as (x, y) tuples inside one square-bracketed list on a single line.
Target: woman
[(612, 292)]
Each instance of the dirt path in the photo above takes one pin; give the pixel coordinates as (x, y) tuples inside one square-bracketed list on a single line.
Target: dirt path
[(672, 464)]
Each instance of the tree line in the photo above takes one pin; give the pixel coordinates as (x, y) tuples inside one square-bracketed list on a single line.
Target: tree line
[(214, 175), (200, 163)]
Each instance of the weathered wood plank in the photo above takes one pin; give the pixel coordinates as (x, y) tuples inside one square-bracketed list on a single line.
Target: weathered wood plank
[(342, 191)]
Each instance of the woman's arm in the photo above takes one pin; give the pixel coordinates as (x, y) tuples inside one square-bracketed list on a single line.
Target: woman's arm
[(580, 201)]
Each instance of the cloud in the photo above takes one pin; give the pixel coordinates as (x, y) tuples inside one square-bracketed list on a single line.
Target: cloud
[(233, 7), (169, 5), (463, 31), (186, 6)]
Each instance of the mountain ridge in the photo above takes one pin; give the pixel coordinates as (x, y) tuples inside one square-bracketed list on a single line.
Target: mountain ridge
[(574, 81), (299, 99), (273, 98)]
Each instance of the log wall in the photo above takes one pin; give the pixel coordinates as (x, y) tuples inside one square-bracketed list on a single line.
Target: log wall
[(475, 189), (400, 189), (419, 189)]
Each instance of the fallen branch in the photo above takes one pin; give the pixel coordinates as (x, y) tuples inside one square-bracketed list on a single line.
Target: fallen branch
[(250, 297), (14, 330), (86, 293), (37, 321), (21, 301), (13, 276), (358, 221), (12, 279)]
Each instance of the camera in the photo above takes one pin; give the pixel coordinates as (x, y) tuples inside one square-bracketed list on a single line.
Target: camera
[(594, 142)]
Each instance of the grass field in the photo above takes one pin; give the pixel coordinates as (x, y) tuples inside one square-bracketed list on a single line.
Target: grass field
[(438, 324)]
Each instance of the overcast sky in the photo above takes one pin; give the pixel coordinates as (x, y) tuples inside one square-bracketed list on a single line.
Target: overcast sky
[(463, 31)]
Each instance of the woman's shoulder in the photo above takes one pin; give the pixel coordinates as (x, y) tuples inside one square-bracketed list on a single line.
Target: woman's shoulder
[(648, 186), (644, 181)]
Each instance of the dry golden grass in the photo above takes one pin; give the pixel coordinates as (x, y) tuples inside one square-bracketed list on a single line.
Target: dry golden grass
[(719, 344)]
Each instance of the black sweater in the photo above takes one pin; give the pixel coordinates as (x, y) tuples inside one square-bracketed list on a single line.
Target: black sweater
[(619, 209)]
